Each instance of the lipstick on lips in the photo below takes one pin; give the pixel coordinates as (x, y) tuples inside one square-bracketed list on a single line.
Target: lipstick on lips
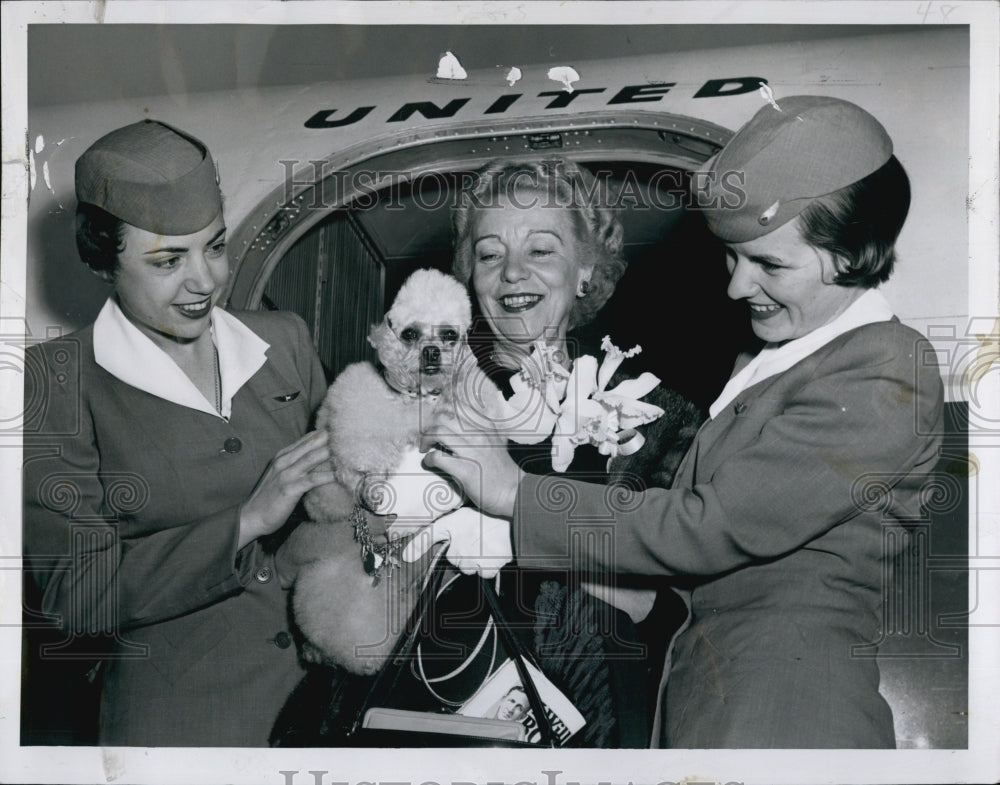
[(760, 312), (516, 303), (195, 310)]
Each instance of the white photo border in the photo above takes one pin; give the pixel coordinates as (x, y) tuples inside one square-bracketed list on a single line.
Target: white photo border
[(980, 762)]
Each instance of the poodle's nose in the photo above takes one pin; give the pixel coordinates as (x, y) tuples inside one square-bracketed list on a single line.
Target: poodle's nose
[(430, 359)]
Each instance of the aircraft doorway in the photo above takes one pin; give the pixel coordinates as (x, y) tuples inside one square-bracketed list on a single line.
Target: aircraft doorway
[(342, 271)]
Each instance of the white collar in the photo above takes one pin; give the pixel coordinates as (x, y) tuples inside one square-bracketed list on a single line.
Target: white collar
[(128, 354), (869, 308)]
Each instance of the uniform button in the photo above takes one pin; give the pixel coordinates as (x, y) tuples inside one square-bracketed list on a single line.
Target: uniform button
[(263, 574), (232, 445), (282, 640), (740, 407)]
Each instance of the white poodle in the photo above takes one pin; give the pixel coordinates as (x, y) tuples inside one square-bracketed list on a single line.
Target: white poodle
[(375, 415), (353, 593)]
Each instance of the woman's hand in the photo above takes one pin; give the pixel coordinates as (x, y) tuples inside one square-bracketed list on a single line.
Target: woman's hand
[(479, 462), (477, 542), (295, 470)]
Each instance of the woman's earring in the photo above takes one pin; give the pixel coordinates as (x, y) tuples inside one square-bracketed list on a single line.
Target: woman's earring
[(583, 289)]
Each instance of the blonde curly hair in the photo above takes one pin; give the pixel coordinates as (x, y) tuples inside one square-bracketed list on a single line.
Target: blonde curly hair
[(563, 184)]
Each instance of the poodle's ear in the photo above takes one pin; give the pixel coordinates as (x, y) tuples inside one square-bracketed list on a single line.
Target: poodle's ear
[(381, 335)]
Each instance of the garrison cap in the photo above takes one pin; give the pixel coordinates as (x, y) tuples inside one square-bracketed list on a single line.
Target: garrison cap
[(789, 153), (152, 176)]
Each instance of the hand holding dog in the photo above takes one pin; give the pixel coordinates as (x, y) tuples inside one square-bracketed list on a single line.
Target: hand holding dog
[(478, 461), (295, 470)]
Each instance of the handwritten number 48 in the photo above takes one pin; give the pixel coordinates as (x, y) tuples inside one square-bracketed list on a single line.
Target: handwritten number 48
[(925, 10)]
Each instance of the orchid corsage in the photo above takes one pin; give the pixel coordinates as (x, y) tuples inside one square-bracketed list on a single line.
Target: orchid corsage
[(576, 407)]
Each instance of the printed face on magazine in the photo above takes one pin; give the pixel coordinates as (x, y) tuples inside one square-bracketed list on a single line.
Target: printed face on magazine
[(513, 706)]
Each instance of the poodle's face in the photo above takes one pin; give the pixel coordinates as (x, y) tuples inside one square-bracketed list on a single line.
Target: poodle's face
[(418, 358)]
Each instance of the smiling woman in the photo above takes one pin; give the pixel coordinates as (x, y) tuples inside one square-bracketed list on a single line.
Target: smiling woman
[(783, 280), (528, 270), (167, 288), (542, 248), (157, 426)]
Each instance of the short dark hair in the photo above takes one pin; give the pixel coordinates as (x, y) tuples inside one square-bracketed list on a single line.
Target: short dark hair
[(571, 187), (100, 237), (859, 225)]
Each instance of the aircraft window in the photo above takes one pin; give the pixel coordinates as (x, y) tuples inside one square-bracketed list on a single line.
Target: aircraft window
[(341, 273)]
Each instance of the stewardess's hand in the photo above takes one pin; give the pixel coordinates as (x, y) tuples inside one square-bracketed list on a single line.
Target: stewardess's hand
[(296, 469)]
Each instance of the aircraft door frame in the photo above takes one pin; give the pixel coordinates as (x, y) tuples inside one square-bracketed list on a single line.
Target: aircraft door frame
[(315, 189)]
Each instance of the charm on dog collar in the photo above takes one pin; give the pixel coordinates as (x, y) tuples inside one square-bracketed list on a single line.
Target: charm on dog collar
[(375, 556)]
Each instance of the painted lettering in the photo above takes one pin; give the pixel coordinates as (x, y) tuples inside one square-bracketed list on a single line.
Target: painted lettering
[(636, 94), (428, 109), (322, 118), (563, 99), (502, 104), (716, 88), (560, 99)]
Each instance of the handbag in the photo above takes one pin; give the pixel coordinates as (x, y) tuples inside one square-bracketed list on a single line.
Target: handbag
[(377, 725)]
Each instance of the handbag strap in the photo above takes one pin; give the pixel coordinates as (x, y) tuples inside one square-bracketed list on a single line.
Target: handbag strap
[(388, 676), (516, 651)]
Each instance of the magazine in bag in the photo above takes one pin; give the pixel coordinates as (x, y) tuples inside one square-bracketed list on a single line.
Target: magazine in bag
[(503, 697)]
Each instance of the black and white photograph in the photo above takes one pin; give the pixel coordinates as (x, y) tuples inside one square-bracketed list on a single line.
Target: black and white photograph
[(636, 363)]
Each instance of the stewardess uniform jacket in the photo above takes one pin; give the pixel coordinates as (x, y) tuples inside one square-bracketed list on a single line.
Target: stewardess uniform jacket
[(131, 522), (777, 521)]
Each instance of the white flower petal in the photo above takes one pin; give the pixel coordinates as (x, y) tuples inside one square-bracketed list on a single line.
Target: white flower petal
[(553, 397), (575, 415), (636, 388), (531, 427), (635, 413), (524, 418), (608, 368), (582, 381), (562, 453)]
